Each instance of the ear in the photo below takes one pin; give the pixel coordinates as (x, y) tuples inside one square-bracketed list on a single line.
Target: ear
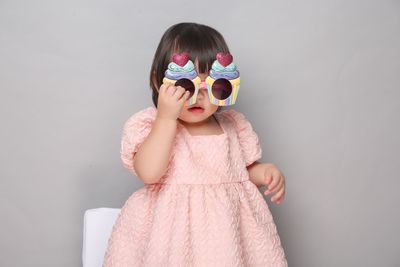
[(154, 81)]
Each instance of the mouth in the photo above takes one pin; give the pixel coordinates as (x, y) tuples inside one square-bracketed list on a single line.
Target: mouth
[(196, 109)]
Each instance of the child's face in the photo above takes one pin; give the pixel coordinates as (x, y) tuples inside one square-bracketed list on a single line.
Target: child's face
[(205, 110)]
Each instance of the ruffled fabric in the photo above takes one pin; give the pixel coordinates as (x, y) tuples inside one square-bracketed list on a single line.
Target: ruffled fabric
[(134, 132), (195, 226), (248, 139), (205, 210)]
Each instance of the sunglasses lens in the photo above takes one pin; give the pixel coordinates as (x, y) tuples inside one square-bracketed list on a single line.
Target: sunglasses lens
[(221, 89), (187, 84)]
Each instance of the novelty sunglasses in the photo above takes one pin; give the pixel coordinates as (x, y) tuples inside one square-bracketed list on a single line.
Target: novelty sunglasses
[(222, 83)]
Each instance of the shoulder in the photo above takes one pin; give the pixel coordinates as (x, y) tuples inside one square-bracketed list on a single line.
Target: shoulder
[(148, 113), (248, 138), (239, 122), (236, 117), (135, 130), (139, 122)]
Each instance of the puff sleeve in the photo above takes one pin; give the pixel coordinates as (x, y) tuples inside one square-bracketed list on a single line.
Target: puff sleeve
[(134, 132), (248, 139)]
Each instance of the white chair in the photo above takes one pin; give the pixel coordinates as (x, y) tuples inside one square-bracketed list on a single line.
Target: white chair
[(97, 229)]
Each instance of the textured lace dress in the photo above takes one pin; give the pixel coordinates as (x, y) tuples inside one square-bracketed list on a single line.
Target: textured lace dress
[(204, 211)]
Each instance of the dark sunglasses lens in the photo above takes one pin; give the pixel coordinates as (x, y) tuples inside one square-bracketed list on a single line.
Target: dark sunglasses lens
[(187, 84), (221, 89)]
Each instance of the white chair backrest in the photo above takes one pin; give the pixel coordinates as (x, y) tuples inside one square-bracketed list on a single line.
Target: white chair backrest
[(98, 224)]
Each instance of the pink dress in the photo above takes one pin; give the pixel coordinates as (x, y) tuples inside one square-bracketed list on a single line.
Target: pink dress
[(204, 211)]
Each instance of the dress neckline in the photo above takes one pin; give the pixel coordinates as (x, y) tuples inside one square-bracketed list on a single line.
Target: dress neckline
[(216, 116)]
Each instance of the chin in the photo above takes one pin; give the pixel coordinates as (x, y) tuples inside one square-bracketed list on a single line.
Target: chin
[(190, 119), (193, 118)]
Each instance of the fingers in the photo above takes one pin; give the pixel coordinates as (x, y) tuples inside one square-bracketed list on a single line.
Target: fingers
[(268, 178), (179, 93), (172, 99), (279, 196), (167, 89), (185, 96), (274, 179), (275, 189), (277, 185)]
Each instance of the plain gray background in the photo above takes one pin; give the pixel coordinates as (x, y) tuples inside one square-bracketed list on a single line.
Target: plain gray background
[(320, 83)]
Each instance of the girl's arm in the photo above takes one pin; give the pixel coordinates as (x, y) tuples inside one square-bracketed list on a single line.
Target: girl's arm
[(256, 171), (152, 157)]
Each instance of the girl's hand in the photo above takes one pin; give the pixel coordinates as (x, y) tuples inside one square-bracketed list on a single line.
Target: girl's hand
[(171, 100), (275, 180)]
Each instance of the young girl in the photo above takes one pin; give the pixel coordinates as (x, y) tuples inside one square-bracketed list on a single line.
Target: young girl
[(200, 205)]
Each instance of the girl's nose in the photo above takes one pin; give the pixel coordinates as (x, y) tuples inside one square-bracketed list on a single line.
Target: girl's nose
[(203, 85), (202, 93), (202, 90)]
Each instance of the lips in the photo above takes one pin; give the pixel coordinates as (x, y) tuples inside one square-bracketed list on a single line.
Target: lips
[(196, 109)]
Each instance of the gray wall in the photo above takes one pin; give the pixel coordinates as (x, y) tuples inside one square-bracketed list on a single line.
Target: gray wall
[(320, 84)]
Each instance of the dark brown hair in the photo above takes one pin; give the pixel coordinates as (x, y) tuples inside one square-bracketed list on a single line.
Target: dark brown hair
[(200, 41)]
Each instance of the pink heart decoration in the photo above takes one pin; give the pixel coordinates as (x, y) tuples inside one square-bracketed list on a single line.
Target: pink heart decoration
[(224, 58), (181, 59)]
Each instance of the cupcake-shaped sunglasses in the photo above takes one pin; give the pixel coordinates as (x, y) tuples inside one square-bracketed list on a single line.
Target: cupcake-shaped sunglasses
[(223, 81)]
